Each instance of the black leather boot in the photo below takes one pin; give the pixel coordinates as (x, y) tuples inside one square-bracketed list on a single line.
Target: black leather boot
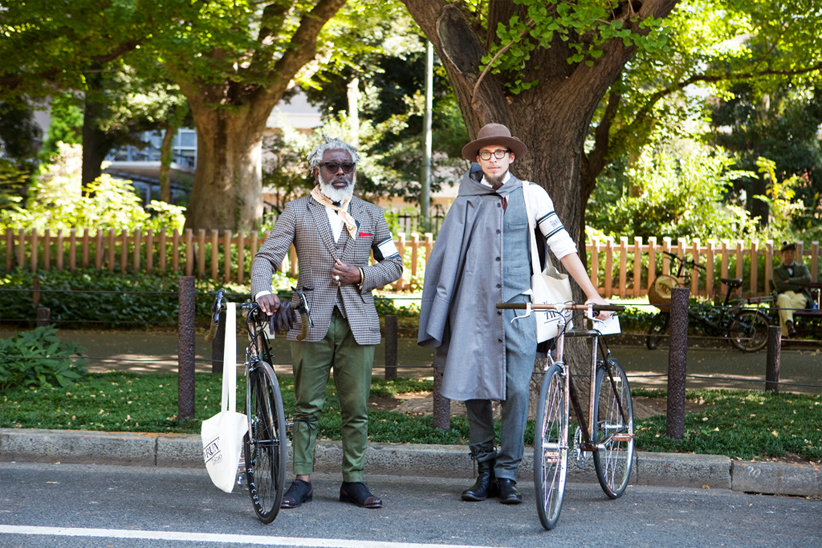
[(486, 484), (508, 492)]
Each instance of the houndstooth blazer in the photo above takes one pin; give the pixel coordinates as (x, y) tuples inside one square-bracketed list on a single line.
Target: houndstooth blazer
[(304, 223)]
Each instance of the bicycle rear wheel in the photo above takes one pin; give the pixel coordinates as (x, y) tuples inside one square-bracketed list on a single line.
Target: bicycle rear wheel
[(659, 325), (614, 432), (748, 330), (551, 447), (265, 444)]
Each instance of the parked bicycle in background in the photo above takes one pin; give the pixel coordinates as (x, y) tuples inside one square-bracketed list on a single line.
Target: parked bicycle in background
[(744, 326)]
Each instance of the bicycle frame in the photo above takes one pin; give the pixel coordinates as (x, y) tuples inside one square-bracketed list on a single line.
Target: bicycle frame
[(585, 427)]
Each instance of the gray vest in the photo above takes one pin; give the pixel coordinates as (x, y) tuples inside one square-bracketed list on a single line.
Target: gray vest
[(516, 247)]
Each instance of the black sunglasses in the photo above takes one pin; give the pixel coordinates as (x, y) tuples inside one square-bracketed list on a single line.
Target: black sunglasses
[(333, 167)]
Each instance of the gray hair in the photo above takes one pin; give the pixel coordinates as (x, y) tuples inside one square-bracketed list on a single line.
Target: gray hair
[(330, 143)]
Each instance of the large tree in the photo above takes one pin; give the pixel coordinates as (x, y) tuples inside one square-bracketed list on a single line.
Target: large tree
[(232, 59), (541, 69), (582, 82)]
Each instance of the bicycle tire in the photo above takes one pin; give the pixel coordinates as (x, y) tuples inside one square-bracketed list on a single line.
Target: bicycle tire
[(748, 330), (265, 444), (614, 430), (551, 447), (659, 325)]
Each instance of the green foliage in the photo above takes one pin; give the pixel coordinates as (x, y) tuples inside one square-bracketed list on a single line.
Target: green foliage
[(65, 125), (786, 209), (38, 358), (12, 184), (742, 425), (104, 298), (678, 189), (583, 27), (57, 200)]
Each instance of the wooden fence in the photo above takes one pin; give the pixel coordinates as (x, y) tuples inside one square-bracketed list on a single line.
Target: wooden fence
[(623, 269)]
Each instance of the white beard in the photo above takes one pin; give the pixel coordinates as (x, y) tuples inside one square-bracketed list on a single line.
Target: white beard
[(333, 194)]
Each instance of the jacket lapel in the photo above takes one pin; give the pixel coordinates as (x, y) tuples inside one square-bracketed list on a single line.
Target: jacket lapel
[(323, 226), (355, 208)]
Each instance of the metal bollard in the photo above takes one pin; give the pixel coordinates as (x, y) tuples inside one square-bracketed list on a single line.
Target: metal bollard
[(185, 347), (442, 405), (774, 358), (43, 316), (218, 346), (391, 333), (677, 361)]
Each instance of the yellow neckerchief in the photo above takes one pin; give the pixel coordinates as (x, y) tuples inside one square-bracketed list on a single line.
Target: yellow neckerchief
[(350, 223)]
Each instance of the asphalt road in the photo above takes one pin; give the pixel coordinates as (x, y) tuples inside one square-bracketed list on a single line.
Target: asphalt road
[(109, 506)]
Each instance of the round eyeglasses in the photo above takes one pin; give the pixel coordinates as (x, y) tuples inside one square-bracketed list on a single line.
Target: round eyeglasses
[(333, 167), (498, 154)]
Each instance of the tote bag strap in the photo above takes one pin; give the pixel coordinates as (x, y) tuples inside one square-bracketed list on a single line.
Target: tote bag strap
[(535, 269), (229, 399)]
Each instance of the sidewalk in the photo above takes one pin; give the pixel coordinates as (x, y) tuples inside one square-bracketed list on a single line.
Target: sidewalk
[(443, 461)]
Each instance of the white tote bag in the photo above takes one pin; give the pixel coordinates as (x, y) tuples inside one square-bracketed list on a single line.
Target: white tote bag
[(548, 286), (223, 433)]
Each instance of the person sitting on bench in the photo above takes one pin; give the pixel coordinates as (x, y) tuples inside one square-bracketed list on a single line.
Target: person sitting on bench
[(791, 280)]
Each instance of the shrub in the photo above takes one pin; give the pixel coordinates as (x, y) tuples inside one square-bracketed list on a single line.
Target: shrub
[(38, 358), (104, 298)]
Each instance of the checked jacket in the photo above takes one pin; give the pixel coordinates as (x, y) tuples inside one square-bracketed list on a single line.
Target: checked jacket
[(304, 223)]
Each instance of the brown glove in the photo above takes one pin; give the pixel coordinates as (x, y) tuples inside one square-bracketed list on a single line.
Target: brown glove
[(283, 320)]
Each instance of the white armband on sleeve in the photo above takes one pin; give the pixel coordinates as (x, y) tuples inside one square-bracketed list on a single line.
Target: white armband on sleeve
[(550, 226), (261, 293)]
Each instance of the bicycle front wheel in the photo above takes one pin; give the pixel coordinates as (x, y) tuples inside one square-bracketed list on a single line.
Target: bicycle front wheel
[(265, 443), (748, 330), (614, 432), (659, 325), (551, 447)]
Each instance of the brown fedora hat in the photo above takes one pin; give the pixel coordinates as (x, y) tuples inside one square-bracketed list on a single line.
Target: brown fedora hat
[(493, 134)]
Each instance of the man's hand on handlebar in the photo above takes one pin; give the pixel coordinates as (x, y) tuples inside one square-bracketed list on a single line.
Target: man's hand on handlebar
[(269, 303), (601, 314)]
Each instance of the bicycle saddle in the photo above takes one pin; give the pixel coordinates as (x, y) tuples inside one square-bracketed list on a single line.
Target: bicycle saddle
[(733, 282)]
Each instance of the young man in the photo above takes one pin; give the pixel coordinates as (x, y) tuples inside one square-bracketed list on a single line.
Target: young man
[(481, 258), (334, 234), (791, 280)]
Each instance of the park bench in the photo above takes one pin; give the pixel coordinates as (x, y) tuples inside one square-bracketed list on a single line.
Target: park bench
[(807, 320)]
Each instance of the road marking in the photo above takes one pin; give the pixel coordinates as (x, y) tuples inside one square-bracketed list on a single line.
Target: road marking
[(213, 537)]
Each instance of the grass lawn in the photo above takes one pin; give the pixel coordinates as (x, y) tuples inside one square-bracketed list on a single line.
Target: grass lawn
[(738, 424)]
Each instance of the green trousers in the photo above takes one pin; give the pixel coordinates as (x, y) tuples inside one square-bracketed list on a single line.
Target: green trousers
[(351, 363)]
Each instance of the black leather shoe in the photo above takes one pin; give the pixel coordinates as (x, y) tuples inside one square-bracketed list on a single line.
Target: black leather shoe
[(485, 486), (358, 493), (508, 492), (791, 328), (299, 492)]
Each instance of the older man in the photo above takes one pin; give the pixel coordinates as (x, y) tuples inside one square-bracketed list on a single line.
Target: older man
[(791, 280), (334, 234), (481, 258)]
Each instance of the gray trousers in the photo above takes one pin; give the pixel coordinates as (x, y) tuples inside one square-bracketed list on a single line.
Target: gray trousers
[(520, 353)]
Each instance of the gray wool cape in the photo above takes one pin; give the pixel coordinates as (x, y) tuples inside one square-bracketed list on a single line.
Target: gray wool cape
[(463, 284)]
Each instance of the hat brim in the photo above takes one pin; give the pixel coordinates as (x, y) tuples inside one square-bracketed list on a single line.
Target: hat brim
[(471, 150)]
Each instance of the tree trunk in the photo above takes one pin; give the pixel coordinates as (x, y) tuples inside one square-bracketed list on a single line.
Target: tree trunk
[(551, 118), (96, 144), (227, 188), (165, 164)]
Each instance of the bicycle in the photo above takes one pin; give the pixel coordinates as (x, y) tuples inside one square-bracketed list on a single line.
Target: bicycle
[(265, 444), (745, 328), (609, 437)]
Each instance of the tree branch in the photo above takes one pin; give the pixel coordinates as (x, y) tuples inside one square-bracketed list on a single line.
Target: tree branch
[(643, 113)]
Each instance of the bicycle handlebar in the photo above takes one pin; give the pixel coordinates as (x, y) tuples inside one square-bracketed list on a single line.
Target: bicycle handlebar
[(685, 262), (574, 306)]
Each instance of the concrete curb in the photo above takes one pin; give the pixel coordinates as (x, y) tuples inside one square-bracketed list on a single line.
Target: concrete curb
[(445, 461)]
